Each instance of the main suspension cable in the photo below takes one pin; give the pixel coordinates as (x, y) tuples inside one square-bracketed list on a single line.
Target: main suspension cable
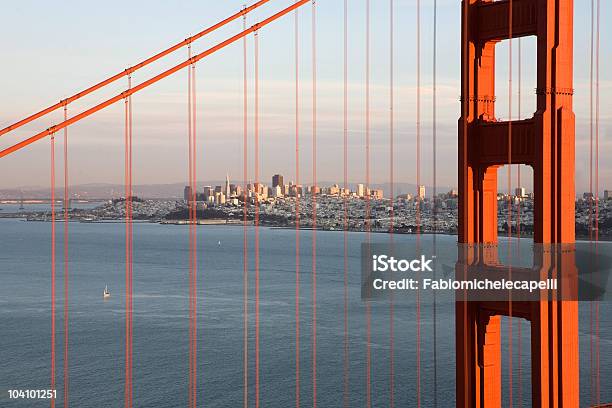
[(134, 68), (150, 81)]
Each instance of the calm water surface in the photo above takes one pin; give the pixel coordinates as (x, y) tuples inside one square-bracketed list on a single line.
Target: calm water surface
[(160, 354)]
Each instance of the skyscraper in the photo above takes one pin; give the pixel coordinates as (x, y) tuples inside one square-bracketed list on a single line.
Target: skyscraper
[(277, 180), (360, 190), (227, 186), (520, 192)]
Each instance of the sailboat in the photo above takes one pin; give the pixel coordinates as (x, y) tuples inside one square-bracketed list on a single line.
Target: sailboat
[(106, 292)]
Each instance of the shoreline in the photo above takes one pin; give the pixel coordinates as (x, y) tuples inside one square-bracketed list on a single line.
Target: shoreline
[(237, 223)]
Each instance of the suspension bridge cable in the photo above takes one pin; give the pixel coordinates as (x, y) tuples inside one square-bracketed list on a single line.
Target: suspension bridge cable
[(53, 257), (150, 81), (367, 205), (465, 110), (131, 241), (127, 260), (345, 213), (314, 204), (257, 192), (509, 203), (297, 211), (128, 401), (66, 241), (518, 228), (192, 232), (597, 47), (435, 193), (418, 202), (591, 119), (134, 68), (591, 124), (245, 256), (391, 212)]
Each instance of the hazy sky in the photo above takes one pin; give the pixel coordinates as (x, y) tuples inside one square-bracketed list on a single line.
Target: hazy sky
[(54, 49)]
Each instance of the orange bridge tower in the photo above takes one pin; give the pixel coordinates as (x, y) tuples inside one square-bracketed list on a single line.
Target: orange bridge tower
[(546, 142)]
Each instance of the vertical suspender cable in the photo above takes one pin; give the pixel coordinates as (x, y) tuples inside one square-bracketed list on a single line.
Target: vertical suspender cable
[(257, 191), (509, 181), (591, 306), (418, 202), (128, 248), (367, 205), (391, 213), (435, 193), (297, 211), (66, 209), (128, 253), (518, 228), (597, 372), (591, 122), (314, 204), (131, 242), (195, 237), (53, 267), (193, 243), (596, 181), (245, 256), (345, 204), (465, 110), (190, 211), (125, 183)]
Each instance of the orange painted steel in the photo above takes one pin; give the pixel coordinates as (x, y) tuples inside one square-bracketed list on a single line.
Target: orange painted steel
[(367, 220), (150, 81), (132, 69), (53, 259), (245, 228), (65, 260), (297, 212), (257, 210), (547, 143), (314, 205), (346, 365)]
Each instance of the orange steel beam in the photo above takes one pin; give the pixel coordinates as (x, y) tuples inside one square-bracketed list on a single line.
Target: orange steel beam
[(134, 68), (150, 81)]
